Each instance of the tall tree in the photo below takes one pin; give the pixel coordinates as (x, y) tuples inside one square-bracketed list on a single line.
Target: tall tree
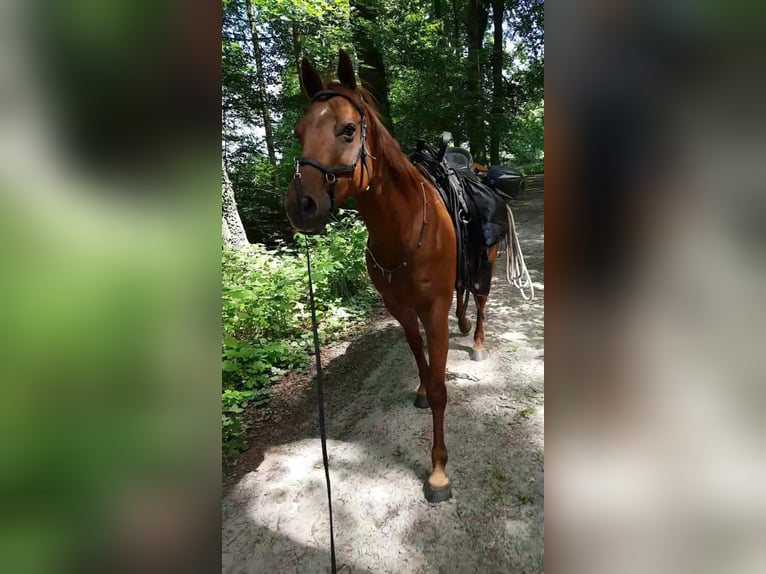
[(297, 46), (372, 70), (476, 20), (496, 119), (433, 65), (456, 44), (263, 96)]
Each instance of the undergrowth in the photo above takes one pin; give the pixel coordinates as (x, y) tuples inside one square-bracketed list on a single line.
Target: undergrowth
[(266, 317)]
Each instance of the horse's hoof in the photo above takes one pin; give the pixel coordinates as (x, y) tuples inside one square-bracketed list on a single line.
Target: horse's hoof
[(477, 354), (464, 326), (421, 401), (436, 495)]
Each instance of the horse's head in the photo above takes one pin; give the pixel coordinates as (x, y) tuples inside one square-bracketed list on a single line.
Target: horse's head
[(334, 161)]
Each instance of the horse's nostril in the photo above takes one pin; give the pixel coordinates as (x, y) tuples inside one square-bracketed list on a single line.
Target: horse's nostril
[(308, 206)]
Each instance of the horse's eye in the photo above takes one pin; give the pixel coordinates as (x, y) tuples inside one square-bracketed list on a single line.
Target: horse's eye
[(348, 131)]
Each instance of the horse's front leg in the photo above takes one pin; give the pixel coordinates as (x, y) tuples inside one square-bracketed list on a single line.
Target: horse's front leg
[(408, 319), (437, 488)]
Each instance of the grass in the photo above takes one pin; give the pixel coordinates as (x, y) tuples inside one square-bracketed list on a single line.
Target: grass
[(523, 498)]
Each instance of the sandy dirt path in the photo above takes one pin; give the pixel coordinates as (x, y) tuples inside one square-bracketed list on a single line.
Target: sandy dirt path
[(275, 514)]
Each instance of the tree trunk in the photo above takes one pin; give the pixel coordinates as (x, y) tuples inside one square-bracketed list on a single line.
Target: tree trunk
[(477, 17), (455, 29), (496, 123), (233, 231), (263, 95), (297, 47), (372, 71)]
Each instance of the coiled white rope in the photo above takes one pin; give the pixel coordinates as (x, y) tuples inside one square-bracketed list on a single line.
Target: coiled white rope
[(516, 271)]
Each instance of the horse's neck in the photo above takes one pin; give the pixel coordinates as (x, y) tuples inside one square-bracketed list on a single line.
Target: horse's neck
[(391, 209)]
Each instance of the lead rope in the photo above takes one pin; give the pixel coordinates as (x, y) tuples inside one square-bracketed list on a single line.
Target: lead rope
[(320, 399), (516, 271)]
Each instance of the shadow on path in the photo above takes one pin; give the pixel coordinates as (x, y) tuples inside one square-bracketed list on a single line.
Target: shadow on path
[(275, 519)]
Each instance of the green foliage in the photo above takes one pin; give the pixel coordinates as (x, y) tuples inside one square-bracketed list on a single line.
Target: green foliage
[(534, 168), (266, 318), (424, 46), (528, 144), (435, 82)]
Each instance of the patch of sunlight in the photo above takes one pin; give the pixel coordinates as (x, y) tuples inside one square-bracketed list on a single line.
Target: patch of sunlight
[(513, 336), (300, 459), (340, 313), (378, 494), (286, 496), (538, 419), (517, 528)]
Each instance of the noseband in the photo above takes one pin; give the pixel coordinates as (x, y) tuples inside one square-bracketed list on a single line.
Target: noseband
[(331, 174)]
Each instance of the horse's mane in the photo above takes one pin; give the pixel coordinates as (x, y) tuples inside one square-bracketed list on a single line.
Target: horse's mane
[(387, 149)]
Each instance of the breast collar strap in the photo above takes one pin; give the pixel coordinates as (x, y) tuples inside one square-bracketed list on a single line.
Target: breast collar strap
[(332, 174)]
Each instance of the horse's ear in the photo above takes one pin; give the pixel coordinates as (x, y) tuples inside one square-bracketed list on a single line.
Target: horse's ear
[(310, 80), (346, 71)]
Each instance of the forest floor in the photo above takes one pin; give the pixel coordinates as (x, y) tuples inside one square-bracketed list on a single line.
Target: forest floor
[(275, 510)]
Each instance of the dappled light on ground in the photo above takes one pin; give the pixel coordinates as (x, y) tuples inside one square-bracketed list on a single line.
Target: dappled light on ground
[(275, 518)]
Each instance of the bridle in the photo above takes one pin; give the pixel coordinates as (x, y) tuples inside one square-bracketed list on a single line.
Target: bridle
[(332, 174)]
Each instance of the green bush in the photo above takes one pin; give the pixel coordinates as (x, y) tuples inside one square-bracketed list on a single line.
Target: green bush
[(535, 168), (266, 317)]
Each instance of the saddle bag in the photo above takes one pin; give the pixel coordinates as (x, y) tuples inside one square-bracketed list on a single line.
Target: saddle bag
[(507, 181), (488, 216)]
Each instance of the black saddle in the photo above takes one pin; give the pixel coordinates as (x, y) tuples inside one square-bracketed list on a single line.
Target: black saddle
[(458, 158), (478, 212), (487, 220)]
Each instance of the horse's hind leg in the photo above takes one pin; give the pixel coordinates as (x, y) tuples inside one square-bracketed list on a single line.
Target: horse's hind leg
[(464, 323), (477, 352), (408, 319)]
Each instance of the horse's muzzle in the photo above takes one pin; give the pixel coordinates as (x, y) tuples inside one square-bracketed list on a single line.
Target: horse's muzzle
[(307, 210)]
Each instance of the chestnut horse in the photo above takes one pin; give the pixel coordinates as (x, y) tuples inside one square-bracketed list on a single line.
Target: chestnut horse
[(411, 254)]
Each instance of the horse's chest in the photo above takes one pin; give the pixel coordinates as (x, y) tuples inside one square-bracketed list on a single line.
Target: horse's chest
[(407, 286)]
